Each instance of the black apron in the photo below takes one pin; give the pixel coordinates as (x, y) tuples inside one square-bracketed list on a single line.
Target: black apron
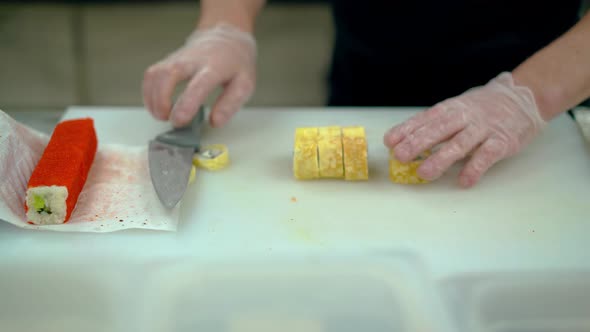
[(417, 53)]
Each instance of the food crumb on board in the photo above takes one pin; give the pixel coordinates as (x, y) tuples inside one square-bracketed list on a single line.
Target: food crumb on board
[(293, 199), (120, 220)]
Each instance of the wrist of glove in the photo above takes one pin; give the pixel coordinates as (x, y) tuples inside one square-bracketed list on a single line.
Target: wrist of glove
[(490, 122), (221, 31)]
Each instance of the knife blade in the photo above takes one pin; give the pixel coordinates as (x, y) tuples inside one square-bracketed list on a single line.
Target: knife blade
[(170, 159)]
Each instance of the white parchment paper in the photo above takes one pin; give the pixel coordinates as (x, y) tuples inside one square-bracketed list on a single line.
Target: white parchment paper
[(118, 194)]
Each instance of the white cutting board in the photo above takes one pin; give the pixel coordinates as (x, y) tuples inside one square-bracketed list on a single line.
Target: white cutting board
[(532, 211)]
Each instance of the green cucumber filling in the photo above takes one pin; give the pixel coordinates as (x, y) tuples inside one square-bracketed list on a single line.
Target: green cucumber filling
[(39, 205)]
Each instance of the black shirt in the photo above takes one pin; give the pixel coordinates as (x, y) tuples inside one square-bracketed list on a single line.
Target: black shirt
[(417, 53)]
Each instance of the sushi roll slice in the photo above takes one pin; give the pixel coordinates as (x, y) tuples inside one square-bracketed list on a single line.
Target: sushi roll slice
[(60, 174), (330, 152), (354, 146), (305, 154), (212, 157)]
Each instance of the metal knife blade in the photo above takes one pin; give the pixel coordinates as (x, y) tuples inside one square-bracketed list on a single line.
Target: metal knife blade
[(170, 159), (170, 168)]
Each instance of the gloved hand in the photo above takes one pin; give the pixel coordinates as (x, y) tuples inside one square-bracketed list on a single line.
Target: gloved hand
[(221, 55), (493, 121)]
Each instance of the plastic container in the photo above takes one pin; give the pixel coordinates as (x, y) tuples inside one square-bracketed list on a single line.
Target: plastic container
[(539, 301), (59, 297), (377, 293)]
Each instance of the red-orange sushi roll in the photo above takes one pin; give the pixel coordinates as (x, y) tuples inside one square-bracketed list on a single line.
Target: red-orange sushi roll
[(60, 174)]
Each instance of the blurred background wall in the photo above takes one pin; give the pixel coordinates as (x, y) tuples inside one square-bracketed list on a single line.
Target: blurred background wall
[(95, 52), (55, 54)]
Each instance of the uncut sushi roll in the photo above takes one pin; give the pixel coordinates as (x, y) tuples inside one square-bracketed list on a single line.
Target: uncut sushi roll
[(60, 174)]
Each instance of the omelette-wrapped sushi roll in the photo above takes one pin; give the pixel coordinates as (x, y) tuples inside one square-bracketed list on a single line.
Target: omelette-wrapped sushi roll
[(305, 154), (60, 174), (354, 146), (330, 152), (406, 173)]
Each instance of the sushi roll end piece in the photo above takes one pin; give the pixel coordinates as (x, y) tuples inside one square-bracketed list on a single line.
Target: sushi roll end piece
[(406, 173)]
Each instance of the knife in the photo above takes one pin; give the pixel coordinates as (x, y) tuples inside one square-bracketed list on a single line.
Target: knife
[(170, 159)]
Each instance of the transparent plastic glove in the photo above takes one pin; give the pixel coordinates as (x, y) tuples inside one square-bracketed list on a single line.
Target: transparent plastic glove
[(221, 55), (494, 121)]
